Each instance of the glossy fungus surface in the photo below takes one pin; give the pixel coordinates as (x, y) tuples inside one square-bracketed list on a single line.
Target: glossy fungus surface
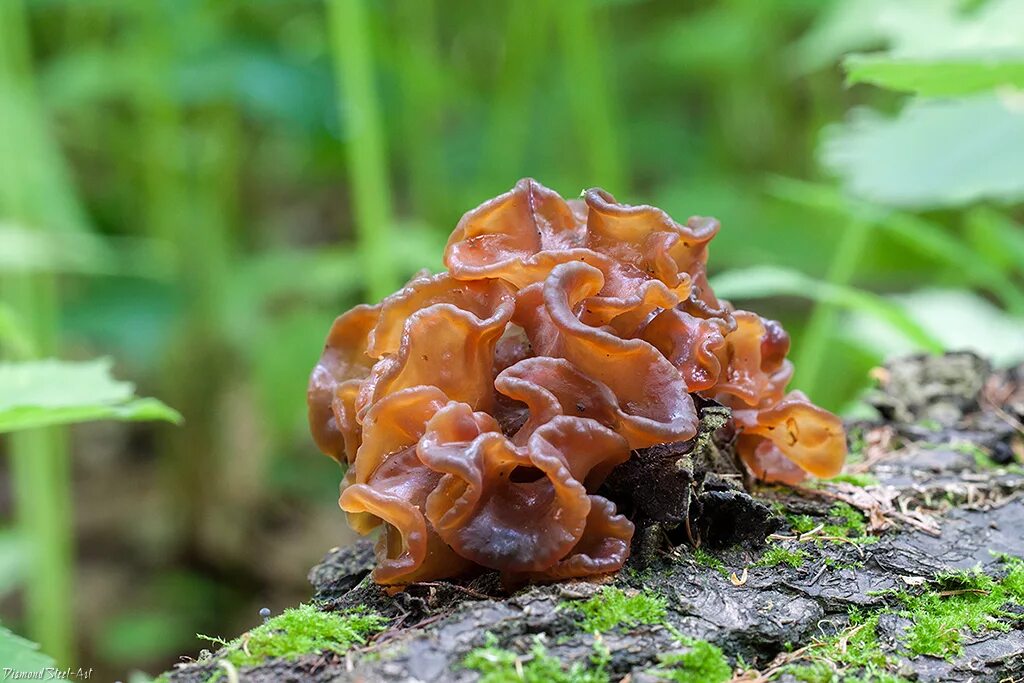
[(480, 410)]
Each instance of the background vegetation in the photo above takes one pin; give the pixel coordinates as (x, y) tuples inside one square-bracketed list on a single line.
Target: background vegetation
[(195, 188)]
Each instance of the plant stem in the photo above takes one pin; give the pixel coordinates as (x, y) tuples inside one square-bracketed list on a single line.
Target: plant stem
[(591, 93), (526, 29), (359, 110), (190, 200), (39, 458), (421, 81), (810, 356)]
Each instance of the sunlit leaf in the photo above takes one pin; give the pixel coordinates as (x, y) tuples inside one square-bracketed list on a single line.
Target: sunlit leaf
[(51, 392), (20, 655), (843, 26), (937, 153), (941, 76), (919, 28), (766, 281)]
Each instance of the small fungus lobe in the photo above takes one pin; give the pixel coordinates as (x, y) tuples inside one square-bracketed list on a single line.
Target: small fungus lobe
[(479, 411)]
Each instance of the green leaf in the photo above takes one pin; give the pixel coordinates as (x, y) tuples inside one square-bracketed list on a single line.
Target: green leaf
[(21, 655), (937, 153), (841, 27), (51, 392), (763, 282), (941, 76), (911, 28)]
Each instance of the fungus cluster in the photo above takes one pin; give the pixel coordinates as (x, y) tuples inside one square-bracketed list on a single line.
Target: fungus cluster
[(480, 410)]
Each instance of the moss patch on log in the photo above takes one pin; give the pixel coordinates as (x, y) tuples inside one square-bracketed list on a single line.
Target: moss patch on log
[(703, 663), (295, 632), (498, 665), (777, 554), (961, 602), (613, 608)]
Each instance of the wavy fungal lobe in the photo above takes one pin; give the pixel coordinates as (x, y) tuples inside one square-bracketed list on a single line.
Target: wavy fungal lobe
[(479, 411)]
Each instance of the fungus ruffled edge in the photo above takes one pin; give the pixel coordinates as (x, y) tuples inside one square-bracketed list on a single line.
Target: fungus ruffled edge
[(480, 410)]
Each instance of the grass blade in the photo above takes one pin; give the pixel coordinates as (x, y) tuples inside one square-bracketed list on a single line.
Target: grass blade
[(591, 94), (34, 191), (526, 32), (811, 354), (421, 78), (359, 109)]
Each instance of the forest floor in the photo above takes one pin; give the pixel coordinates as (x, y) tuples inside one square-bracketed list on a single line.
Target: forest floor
[(907, 567)]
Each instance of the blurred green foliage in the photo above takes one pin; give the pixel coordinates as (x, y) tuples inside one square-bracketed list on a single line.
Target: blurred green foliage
[(196, 188)]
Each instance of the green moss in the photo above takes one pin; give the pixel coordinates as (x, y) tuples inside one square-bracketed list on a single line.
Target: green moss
[(876, 677), (801, 524), (939, 616), (818, 672), (856, 652), (777, 554), (861, 480), (821, 672), (1013, 584), (498, 665), (636, 576), (965, 579), (703, 663), (982, 459), (298, 631), (852, 524), (833, 563), (701, 556), (844, 521), (611, 607), (858, 648), (961, 601)]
